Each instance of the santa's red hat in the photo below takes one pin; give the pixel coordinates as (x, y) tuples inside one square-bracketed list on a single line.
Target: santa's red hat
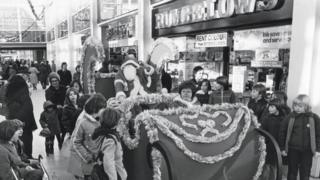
[(130, 60)]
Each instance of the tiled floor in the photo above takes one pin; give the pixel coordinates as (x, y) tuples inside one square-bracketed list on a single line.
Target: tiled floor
[(58, 163)]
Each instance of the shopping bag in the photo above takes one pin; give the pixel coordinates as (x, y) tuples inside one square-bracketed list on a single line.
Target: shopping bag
[(315, 169)]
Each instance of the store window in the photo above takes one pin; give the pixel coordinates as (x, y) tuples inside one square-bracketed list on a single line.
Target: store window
[(63, 29), (50, 35), (109, 9), (265, 54), (81, 20)]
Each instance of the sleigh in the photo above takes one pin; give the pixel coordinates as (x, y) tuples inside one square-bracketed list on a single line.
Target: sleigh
[(169, 141)]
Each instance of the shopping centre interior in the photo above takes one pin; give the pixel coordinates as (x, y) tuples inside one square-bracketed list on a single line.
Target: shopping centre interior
[(275, 43)]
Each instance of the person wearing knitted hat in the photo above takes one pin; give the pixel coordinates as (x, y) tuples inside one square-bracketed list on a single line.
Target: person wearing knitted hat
[(133, 78), (56, 92)]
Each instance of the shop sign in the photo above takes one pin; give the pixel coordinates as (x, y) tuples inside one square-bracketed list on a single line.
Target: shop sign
[(269, 64), (211, 40), (211, 9), (263, 38)]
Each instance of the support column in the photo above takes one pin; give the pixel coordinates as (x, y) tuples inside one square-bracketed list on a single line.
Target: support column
[(144, 30), (304, 67), (95, 29)]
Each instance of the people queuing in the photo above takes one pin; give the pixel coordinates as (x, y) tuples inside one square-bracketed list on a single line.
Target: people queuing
[(91, 126)]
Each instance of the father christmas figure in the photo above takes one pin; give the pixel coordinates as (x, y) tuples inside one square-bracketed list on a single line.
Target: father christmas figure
[(133, 78)]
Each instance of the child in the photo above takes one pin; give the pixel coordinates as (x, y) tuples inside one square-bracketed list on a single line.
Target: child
[(187, 95), (283, 97), (85, 147), (271, 121), (300, 138), (222, 94), (257, 101), (204, 92), (111, 149), (70, 110), (77, 86), (49, 118)]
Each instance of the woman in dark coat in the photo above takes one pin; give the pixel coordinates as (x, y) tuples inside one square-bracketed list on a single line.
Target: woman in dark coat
[(20, 107), (70, 111), (43, 75)]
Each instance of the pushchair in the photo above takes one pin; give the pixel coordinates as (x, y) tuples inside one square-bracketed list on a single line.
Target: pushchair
[(42, 167)]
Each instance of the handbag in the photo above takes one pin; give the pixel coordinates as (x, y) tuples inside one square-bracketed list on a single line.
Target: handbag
[(45, 132), (315, 169), (98, 172)]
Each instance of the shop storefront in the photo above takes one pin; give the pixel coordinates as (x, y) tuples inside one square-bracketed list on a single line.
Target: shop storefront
[(120, 35), (248, 41), (118, 22)]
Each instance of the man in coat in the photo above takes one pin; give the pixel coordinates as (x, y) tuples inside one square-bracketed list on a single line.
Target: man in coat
[(65, 75)]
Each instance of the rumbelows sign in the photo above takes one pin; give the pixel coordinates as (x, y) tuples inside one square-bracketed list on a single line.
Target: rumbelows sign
[(211, 9)]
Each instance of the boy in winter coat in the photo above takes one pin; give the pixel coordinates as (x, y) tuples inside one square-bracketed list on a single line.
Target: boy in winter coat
[(49, 118), (222, 93), (257, 101), (300, 138), (271, 122)]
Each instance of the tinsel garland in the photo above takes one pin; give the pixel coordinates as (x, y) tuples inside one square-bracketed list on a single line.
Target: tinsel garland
[(262, 158), (153, 120), (156, 162)]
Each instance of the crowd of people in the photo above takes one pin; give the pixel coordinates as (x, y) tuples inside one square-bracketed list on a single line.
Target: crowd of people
[(91, 126)]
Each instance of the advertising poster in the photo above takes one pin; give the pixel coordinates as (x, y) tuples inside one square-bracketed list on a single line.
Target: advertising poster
[(263, 38), (239, 78), (267, 55)]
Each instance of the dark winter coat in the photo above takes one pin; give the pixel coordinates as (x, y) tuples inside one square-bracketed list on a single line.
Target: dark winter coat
[(271, 123), (203, 98), (20, 107), (69, 117), (258, 107), (65, 77), (44, 72), (225, 96), (51, 120), (56, 96), (300, 136)]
